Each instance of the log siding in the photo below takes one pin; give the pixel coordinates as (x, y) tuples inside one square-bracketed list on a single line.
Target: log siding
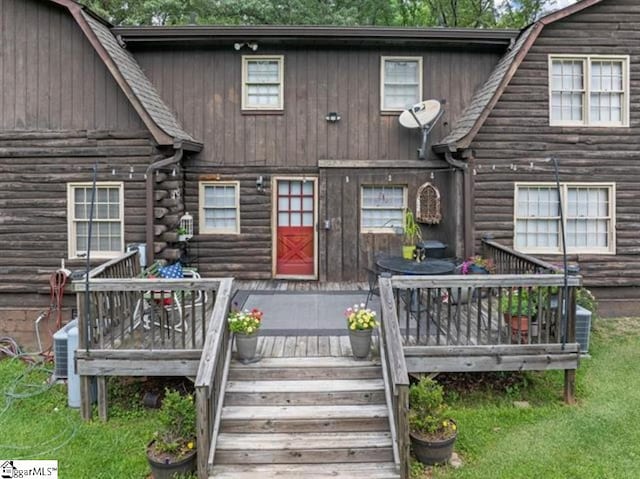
[(518, 132)]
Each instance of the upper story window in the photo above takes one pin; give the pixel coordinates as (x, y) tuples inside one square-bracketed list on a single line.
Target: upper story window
[(107, 231), (219, 207), (401, 82), (589, 90), (589, 218), (382, 208), (262, 82)]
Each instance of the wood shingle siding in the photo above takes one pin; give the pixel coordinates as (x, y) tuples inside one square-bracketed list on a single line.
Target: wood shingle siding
[(517, 131), (50, 76)]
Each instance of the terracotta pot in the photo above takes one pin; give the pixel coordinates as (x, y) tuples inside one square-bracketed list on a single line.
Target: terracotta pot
[(246, 345), (429, 451), (519, 326), (360, 342)]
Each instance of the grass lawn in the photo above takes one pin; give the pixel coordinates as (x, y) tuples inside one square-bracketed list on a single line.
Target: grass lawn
[(43, 427), (597, 438)]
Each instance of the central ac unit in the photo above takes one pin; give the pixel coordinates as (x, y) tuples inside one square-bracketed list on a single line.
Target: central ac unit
[(60, 350)]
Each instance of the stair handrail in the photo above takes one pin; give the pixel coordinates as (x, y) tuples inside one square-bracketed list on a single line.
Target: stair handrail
[(212, 374), (395, 374)]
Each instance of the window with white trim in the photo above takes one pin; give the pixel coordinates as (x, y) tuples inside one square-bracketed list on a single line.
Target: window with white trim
[(382, 208), (401, 82), (588, 211), (107, 230), (589, 90), (262, 82), (219, 207)]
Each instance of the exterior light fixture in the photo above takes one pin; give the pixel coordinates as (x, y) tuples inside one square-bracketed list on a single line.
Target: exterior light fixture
[(260, 184), (332, 117)]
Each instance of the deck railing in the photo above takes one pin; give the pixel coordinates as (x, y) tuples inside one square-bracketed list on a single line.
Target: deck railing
[(509, 261), (212, 377), (487, 322), (396, 377), (126, 266)]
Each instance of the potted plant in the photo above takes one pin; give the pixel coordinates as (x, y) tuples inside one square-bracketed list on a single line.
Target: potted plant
[(183, 234), (245, 325), (433, 433), (360, 321), (173, 449), (412, 234), (519, 309), (477, 265)]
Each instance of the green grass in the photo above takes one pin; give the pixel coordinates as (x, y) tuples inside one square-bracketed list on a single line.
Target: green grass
[(43, 427), (598, 438)]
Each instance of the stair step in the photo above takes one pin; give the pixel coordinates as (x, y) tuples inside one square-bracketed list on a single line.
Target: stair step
[(304, 418), (337, 385), (305, 368), (304, 448), (303, 412), (378, 470), (309, 392)]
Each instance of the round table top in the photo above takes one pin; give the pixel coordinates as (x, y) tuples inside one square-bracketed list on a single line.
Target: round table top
[(397, 264)]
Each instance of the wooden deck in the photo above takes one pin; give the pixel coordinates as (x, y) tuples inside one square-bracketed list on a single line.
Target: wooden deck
[(304, 346), (299, 286)]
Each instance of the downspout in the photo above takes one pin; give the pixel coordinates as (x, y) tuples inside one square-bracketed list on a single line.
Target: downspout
[(151, 169), (467, 203)]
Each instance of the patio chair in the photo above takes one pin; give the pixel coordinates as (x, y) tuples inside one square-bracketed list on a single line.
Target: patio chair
[(167, 304)]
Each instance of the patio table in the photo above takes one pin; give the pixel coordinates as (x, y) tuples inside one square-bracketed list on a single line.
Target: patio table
[(397, 264)]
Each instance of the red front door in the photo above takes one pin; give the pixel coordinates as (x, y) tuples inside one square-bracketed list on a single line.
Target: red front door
[(295, 241)]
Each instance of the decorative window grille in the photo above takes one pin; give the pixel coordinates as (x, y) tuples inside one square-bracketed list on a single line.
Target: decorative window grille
[(428, 208)]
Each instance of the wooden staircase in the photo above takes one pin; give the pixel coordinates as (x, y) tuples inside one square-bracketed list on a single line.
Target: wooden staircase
[(304, 417)]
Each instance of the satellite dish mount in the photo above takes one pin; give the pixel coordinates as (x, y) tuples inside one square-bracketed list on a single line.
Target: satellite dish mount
[(423, 115)]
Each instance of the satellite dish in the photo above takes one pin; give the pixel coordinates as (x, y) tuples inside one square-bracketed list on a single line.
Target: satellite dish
[(420, 114)]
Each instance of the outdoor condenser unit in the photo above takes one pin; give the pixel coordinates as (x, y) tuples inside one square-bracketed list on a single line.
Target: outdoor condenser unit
[(60, 350)]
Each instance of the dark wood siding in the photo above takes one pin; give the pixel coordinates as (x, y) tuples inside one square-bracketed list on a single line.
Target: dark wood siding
[(203, 86), (50, 76), (518, 131), (345, 251), (35, 168)]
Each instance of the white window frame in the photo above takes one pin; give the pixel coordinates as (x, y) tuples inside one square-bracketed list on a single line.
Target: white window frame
[(71, 219), (379, 230), (246, 106), (383, 60), (586, 104), (201, 207), (564, 188)]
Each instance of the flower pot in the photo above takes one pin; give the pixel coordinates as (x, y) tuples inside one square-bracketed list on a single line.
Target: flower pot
[(475, 269), (407, 252), (246, 345), (360, 342), (432, 451), (519, 327), (162, 467), (463, 297)]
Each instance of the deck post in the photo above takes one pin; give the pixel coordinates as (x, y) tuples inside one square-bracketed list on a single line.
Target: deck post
[(102, 398), (569, 386)]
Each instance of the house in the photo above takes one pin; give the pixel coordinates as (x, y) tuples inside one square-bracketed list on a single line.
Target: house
[(284, 144), (566, 90)]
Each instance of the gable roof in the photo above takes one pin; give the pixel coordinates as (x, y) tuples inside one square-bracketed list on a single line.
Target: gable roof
[(486, 97), (143, 96)]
